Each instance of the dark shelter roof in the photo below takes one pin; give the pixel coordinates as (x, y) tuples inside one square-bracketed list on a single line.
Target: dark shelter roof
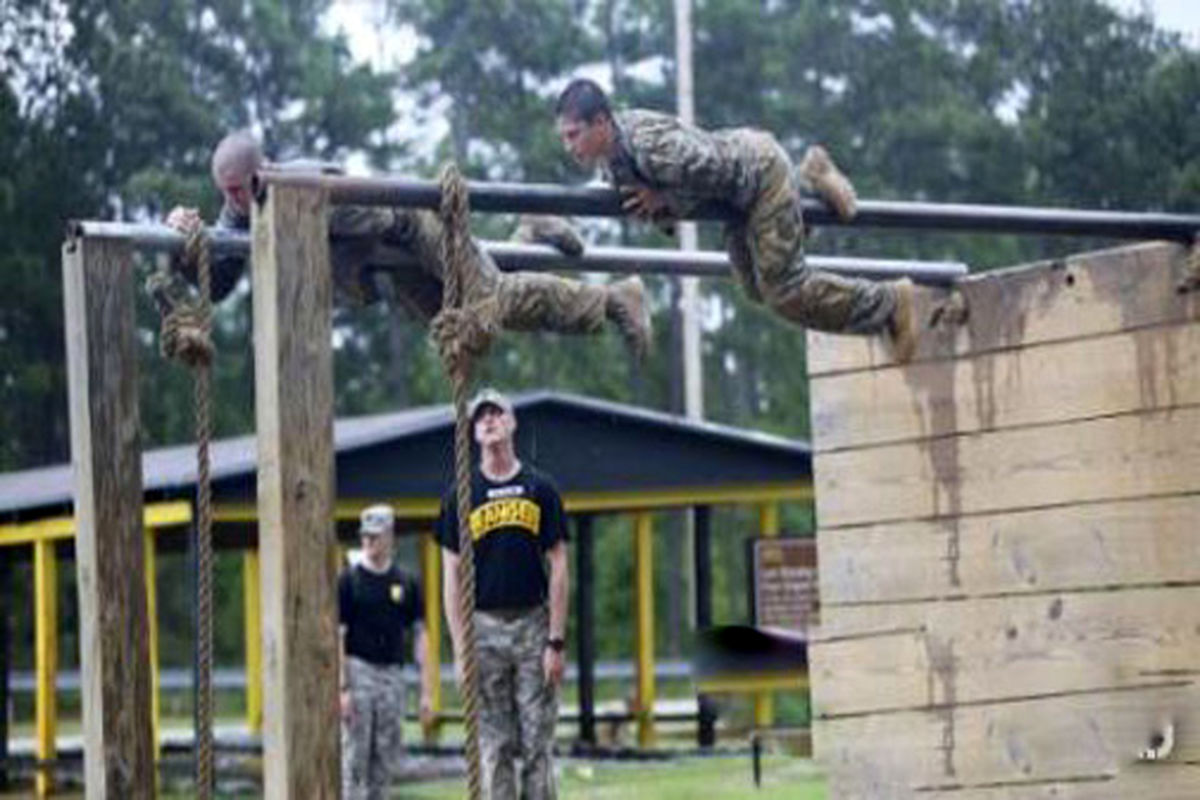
[(587, 445)]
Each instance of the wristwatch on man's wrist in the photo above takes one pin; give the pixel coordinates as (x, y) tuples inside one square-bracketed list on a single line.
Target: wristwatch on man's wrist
[(556, 644)]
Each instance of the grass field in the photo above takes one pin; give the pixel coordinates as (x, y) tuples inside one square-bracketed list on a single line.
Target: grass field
[(710, 778)]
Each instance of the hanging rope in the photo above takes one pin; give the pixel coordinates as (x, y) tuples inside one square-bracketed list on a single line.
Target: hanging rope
[(459, 340), (186, 336)]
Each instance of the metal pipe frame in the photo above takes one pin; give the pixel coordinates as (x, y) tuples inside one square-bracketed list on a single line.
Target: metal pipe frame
[(511, 256), (605, 202)]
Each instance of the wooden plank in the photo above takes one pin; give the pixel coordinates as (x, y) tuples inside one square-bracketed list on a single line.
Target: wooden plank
[(919, 655), (1167, 781), (294, 413), (1123, 543), (1069, 738), (1150, 368), (1083, 295), (106, 459), (1155, 453)]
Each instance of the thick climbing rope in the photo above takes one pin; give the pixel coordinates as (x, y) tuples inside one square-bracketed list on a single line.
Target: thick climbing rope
[(457, 354), (186, 336)]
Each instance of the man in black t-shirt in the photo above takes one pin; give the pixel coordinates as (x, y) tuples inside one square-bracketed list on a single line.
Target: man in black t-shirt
[(518, 532), (381, 610)]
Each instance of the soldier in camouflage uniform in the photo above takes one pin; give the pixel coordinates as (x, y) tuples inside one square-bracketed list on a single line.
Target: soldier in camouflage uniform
[(666, 168), (518, 529), (380, 608), (360, 236)]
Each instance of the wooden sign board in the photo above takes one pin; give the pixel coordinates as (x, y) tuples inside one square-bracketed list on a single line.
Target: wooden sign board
[(785, 583)]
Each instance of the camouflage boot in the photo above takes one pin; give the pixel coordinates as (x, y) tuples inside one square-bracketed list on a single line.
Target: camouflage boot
[(827, 180), (902, 325), (626, 306)]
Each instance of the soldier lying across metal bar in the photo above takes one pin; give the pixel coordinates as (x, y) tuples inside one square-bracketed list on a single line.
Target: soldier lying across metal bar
[(665, 168), (359, 235)]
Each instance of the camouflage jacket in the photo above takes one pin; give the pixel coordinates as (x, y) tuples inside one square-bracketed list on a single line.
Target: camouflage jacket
[(687, 164)]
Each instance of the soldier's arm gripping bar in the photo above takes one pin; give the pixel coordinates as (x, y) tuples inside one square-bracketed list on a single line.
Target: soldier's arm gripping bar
[(604, 202)]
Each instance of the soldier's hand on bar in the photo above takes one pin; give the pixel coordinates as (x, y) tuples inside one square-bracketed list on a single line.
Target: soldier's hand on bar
[(347, 704), (643, 202), (184, 220)]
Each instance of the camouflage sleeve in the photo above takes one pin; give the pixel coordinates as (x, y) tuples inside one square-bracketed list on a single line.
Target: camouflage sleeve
[(683, 159)]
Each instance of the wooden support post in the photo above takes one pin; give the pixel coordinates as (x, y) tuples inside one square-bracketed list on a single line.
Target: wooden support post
[(294, 413), (252, 630), (106, 458), (764, 703), (643, 565), (706, 733), (585, 629), (149, 548), (45, 635), (431, 581)]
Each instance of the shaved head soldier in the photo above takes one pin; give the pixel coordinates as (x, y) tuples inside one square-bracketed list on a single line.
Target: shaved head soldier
[(666, 168)]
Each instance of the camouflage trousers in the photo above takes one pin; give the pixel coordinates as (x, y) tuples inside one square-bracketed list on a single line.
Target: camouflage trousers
[(371, 740), (518, 708), (524, 301), (767, 251)]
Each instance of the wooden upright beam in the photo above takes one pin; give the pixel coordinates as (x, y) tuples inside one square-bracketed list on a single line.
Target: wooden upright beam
[(294, 411), (643, 565), (106, 458), (45, 608)]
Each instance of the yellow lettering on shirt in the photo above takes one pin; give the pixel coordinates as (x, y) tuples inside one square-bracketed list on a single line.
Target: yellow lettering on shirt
[(516, 512)]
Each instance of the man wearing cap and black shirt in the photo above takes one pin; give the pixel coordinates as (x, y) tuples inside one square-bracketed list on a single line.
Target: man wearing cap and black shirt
[(518, 532), (378, 604)]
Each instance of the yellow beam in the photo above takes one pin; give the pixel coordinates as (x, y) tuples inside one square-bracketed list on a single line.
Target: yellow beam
[(768, 527), (157, 515), (45, 606), (252, 630), (431, 580), (758, 682), (151, 570), (575, 502), (643, 565)]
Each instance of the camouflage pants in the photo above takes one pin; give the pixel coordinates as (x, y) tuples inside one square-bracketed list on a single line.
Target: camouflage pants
[(371, 740), (526, 301), (767, 251), (518, 709)]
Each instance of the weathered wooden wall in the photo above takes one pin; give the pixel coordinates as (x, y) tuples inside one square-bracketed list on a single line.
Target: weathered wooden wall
[(1009, 539)]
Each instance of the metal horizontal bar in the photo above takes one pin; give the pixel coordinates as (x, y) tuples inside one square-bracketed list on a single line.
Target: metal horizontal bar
[(600, 201), (541, 258)]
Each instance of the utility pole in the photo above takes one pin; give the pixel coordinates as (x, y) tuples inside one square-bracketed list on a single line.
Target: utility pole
[(693, 373)]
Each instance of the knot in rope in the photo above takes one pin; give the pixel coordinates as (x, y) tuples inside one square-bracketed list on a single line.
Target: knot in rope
[(186, 328)]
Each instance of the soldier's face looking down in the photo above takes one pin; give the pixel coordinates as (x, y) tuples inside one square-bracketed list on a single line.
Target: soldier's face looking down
[(377, 547), (235, 186), (589, 143), (494, 425)]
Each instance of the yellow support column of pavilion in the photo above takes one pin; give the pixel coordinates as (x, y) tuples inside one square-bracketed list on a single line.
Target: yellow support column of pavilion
[(431, 580), (149, 551), (643, 566), (252, 625), (768, 527), (45, 604)]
